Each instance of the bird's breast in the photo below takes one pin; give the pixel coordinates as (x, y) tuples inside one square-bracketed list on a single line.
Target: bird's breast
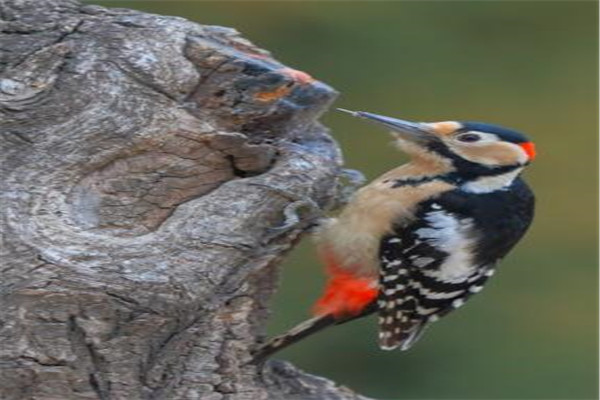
[(353, 238)]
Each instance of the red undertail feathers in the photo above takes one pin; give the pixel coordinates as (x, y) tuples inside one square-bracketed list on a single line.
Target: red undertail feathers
[(345, 294)]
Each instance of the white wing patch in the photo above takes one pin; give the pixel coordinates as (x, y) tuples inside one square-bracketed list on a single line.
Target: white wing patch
[(454, 236)]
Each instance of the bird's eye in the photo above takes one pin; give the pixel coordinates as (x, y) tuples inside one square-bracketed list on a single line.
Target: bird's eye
[(469, 137)]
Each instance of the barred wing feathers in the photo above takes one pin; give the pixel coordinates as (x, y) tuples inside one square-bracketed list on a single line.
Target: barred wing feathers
[(427, 269)]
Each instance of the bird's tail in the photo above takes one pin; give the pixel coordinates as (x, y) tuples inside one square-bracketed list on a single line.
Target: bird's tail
[(292, 336), (305, 329)]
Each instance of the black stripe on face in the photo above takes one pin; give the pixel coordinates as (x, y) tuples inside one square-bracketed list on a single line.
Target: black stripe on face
[(466, 171)]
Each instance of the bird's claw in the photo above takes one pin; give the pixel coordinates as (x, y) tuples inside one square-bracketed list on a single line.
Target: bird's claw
[(292, 216), (352, 180), (354, 176), (291, 213)]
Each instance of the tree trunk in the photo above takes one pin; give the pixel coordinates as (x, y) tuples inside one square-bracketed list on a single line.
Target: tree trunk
[(145, 161)]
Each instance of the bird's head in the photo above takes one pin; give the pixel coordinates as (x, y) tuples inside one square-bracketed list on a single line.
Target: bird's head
[(467, 145)]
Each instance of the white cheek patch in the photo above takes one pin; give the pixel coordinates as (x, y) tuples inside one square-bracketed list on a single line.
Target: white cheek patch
[(489, 150)]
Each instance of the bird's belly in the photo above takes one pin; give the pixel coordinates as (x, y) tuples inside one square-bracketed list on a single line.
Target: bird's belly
[(353, 245), (354, 237)]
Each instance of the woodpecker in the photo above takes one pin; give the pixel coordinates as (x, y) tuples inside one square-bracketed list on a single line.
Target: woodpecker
[(420, 240)]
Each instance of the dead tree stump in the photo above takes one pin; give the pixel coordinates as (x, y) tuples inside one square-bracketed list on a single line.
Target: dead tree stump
[(145, 160)]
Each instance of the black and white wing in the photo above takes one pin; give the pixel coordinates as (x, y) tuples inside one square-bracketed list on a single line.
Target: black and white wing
[(435, 263), (427, 269)]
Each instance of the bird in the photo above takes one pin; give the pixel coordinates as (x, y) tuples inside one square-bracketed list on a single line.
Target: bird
[(417, 242)]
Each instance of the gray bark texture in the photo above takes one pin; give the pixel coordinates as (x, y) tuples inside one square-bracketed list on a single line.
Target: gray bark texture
[(145, 160)]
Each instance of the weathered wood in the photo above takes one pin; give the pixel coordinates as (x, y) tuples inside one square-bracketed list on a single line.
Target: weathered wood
[(145, 159)]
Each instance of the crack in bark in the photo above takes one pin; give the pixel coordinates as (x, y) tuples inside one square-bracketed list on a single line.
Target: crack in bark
[(21, 136), (68, 33), (60, 363), (205, 73), (137, 79), (99, 383)]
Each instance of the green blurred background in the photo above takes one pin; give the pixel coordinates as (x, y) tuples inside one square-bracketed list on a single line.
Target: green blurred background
[(532, 334)]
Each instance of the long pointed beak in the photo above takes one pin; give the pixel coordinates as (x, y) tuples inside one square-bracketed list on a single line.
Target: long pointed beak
[(411, 131)]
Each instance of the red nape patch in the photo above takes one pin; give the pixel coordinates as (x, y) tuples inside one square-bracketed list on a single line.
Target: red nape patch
[(529, 148), (345, 295)]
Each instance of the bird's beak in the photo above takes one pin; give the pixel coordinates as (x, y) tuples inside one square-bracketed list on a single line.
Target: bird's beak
[(415, 132)]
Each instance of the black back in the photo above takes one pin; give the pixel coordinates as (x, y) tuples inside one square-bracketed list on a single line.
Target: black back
[(412, 291), (502, 216)]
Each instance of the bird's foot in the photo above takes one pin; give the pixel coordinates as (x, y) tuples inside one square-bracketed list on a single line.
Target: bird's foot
[(293, 214), (351, 180)]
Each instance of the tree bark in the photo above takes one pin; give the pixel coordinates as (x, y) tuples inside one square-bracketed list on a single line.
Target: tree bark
[(145, 161)]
